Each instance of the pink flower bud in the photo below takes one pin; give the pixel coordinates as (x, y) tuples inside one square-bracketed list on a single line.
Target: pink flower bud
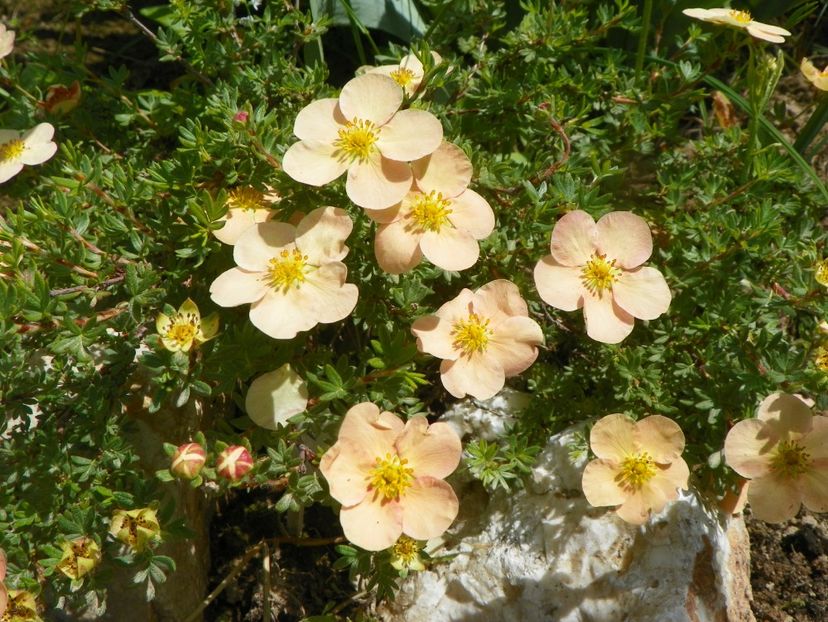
[(241, 117), (234, 463), (188, 460)]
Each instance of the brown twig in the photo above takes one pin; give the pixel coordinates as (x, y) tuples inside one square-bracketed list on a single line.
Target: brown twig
[(77, 288)]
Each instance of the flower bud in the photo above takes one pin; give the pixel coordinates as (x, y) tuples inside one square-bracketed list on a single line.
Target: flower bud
[(80, 556), (137, 528), (60, 99), (234, 463), (240, 117), (188, 460)]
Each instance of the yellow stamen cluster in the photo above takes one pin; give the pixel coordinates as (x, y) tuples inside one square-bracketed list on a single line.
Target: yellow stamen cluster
[(790, 460), (821, 358), (287, 270), (183, 330), (356, 140), (391, 477), (246, 198), (406, 550), (402, 76), (821, 272), (743, 17), (472, 335), (598, 274), (431, 211), (636, 470), (11, 150)]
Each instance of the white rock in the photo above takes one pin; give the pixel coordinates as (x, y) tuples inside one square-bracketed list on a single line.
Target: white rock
[(544, 554)]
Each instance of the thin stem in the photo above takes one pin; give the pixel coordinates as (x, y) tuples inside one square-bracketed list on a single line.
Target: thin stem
[(812, 127), (643, 35)]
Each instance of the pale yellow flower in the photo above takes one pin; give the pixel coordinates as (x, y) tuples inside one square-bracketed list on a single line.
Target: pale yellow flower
[(6, 41), (25, 148), (136, 528), (275, 397), (818, 78), (740, 19), (246, 206), (80, 556), (408, 73), (21, 607), (821, 272), (405, 555), (186, 327)]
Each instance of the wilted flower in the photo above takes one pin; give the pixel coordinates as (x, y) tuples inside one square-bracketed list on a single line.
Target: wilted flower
[(388, 476), (275, 397), (483, 337), (186, 327), (363, 132), (25, 148), (598, 267), (405, 555), (292, 276), (784, 454), (818, 78), (246, 206), (188, 460), (135, 528), (234, 463), (740, 19), (80, 556), (639, 466), (439, 218), (21, 607), (6, 41), (60, 99), (408, 73)]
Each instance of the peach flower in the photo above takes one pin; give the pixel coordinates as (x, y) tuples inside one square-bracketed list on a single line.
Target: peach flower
[(740, 19), (439, 218), (6, 41), (291, 276), (408, 73), (639, 466), (483, 337), (597, 266), (818, 78), (246, 206), (18, 149), (388, 476), (784, 454), (365, 133)]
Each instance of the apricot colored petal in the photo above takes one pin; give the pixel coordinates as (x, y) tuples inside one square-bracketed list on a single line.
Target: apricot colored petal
[(643, 293), (239, 220), (237, 287), (375, 431), (387, 215), (260, 243), (815, 442), (515, 344), (500, 299), (431, 450), (447, 170), (397, 250), (322, 233), (573, 239), (625, 237), (3, 565), (660, 437), (815, 489), (773, 499), (370, 97), (434, 337), (559, 285), (605, 321), (319, 121), (600, 486), (346, 467), (479, 376), (640, 504), (671, 478), (429, 508), (371, 524), (471, 212), (785, 412), (4, 598), (459, 307), (326, 296), (313, 163), (413, 64), (378, 183), (411, 134), (280, 315), (613, 437), (450, 248), (747, 448)]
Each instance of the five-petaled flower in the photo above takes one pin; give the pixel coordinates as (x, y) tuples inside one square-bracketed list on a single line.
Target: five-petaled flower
[(186, 327), (740, 19), (246, 206), (818, 78), (21, 607), (27, 148), (439, 218), (639, 466), (291, 276), (363, 132), (597, 266), (79, 557), (405, 555), (483, 337), (784, 454), (408, 73), (388, 476), (136, 528), (6, 41)]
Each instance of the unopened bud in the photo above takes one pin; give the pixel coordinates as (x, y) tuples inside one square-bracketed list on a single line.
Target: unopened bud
[(234, 463), (60, 99), (188, 460), (241, 117)]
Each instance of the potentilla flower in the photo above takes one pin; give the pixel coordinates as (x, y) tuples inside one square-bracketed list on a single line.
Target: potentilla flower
[(234, 463), (821, 358), (292, 276), (21, 607), (408, 73), (405, 555), (784, 454), (740, 19), (61, 100), (275, 397), (246, 206), (440, 218), (188, 460), (821, 272), (136, 528), (483, 337), (388, 476), (639, 466), (818, 78), (598, 267), (79, 558), (25, 148), (186, 328), (363, 132), (6, 41)]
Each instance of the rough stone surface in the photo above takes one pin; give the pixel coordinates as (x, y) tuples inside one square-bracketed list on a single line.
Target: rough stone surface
[(544, 554)]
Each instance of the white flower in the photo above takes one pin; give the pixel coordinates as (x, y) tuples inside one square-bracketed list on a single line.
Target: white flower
[(6, 41), (18, 149), (740, 19)]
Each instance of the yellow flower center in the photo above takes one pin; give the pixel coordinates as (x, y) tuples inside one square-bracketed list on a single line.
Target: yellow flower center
[(743, 17), (471, 335), (287, 270), (406, 549), (821, 272), (246, 198), (356, 140), (790, 460), (637, 470), (19, 608), (821, 358), (403, 76), (182, 331), (11, 150), (431, 211), (391, 477), (598, 274)]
